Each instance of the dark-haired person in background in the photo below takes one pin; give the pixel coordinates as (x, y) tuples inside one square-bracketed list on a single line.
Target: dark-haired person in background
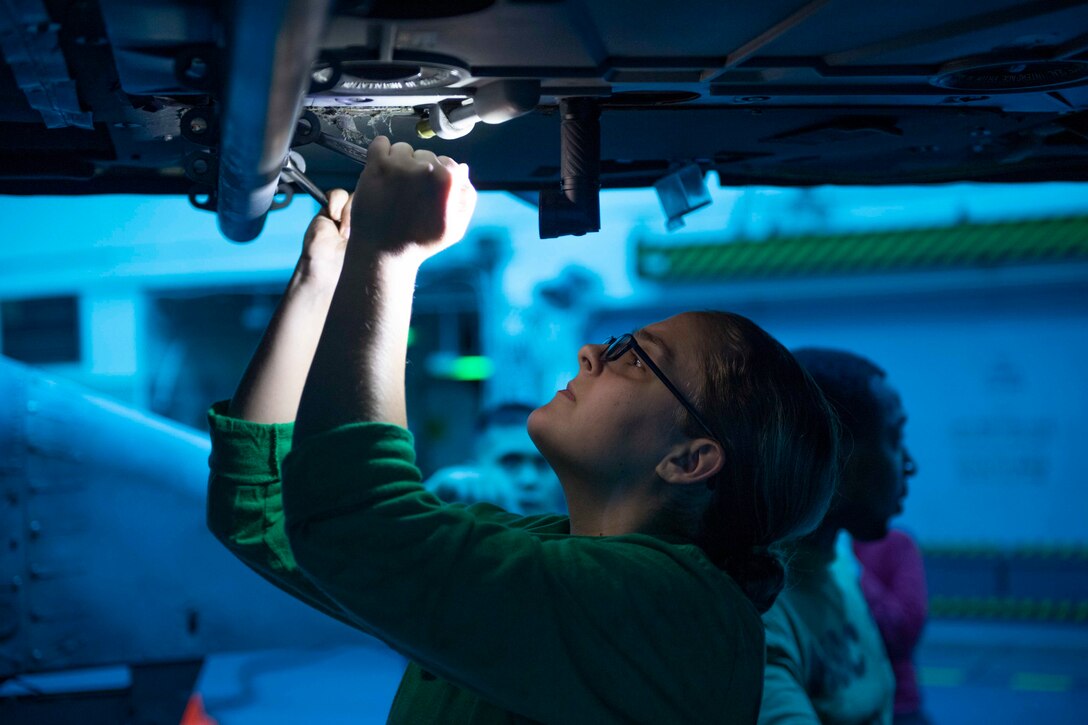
[(826, 661), (687, 451), (506, 468)]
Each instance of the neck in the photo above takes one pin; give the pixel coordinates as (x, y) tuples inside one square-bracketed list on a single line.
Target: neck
[(822, 541), (627, 510)]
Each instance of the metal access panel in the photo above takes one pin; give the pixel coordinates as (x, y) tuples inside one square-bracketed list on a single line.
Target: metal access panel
[(106, 558)]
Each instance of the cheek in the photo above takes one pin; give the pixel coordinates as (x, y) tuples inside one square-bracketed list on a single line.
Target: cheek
[(890, 476), (872, 479), (608, 422), (636, 423)]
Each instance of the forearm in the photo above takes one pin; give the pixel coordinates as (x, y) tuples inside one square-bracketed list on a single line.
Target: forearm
[(271, 387), (358, 370)]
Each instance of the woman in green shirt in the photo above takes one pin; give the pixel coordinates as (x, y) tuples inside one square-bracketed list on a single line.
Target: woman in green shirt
[(687, 451)]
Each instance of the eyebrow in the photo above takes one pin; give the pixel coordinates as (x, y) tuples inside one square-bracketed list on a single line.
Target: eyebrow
[(655, 340)]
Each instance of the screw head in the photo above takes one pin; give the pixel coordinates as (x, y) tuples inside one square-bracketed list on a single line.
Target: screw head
[(196, 69)]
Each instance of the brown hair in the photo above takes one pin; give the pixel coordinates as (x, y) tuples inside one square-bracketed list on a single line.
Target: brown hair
[(781, 453)]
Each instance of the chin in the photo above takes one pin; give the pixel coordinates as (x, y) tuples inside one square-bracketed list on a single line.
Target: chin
[(873, 531), (536, 424), (541, 433)]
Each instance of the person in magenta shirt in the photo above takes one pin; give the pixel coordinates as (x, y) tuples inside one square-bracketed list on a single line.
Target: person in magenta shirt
[(893, 581)]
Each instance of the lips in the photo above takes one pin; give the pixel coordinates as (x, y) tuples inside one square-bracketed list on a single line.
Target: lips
[(567, 393)]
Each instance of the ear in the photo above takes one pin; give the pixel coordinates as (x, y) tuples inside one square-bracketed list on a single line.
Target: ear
[(693, 461)]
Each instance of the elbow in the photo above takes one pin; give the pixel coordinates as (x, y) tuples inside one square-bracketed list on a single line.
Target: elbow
[(308, 554), (222, 536), (217, 518)]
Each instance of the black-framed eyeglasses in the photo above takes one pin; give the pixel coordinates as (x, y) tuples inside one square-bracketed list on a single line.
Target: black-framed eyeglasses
[(614, 349)]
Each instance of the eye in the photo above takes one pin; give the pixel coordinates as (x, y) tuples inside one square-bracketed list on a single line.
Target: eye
[(635, 362)]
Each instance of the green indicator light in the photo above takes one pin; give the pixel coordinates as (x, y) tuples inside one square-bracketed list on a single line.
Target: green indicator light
[(460, 367), (472, 367), (411, 336)]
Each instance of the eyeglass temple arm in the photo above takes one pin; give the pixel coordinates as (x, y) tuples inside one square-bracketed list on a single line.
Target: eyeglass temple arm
[(672, 388)]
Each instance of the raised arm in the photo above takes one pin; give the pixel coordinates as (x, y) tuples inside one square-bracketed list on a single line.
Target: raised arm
[(244, 505), (408, 206), (271, 387)]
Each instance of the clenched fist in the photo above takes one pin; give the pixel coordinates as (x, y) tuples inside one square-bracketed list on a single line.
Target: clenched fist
[(409, 200)]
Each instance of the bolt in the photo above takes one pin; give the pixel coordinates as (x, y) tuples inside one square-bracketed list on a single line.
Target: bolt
[(200, 166), (198, 124)]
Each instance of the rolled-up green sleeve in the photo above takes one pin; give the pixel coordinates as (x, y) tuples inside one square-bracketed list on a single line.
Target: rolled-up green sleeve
[(245, 510)]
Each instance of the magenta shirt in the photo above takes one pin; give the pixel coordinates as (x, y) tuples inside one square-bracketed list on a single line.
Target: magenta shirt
[(893, 581)]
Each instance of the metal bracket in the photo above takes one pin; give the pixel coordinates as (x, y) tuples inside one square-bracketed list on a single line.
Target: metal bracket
[(682, 192), (202, 168)]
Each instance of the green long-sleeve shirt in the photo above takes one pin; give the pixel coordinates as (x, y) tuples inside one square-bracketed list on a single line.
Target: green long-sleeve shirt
[(505, 618)]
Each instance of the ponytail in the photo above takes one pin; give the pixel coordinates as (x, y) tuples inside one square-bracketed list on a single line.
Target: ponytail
[(779, 438), (759, 573)]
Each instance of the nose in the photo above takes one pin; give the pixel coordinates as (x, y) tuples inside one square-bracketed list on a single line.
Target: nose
[(526, 479), (910, 468), (589, 358)]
